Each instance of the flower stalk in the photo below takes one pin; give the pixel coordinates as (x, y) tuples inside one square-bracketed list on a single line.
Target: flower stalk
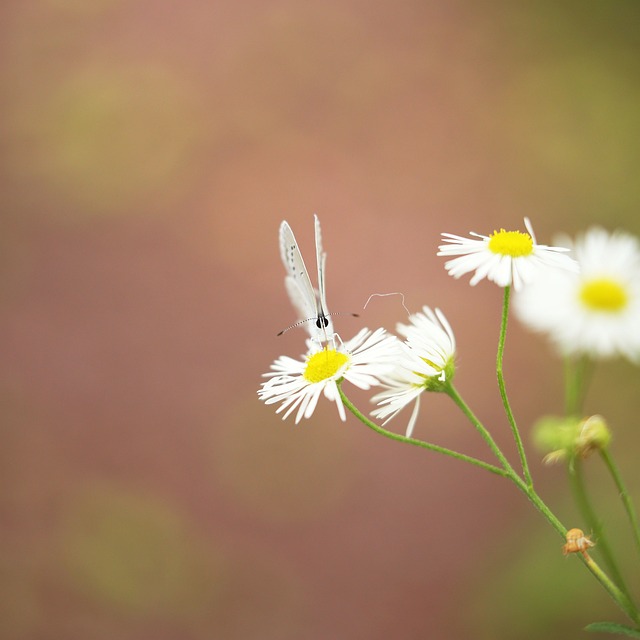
[(581, 497), (619, 596), (414, 441), (503, 389), (624, 494)]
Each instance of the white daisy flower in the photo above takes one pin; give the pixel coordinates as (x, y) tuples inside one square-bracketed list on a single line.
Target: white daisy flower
[(505, 257), (297, 384), (595, 312), (426, 363)]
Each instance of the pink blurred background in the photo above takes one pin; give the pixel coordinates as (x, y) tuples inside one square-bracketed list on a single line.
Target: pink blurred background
[(149, 152)]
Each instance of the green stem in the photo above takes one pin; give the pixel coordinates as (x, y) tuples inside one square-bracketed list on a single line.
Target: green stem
[(620, 597), (587, 511), (503, 390), (511, 474), (413, 441), (539, 504), (451, 391), (572, 386), (576, 375), (622, 600), (624, 495)]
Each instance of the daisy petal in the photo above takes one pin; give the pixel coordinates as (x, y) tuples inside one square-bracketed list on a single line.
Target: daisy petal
[(508, 258)]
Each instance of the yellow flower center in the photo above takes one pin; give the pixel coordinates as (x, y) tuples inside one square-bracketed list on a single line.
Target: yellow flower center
[(603, 294), (324, 365), (511, 243)]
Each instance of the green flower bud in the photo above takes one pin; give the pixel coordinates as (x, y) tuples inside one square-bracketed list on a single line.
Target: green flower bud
[(565, 438), (554, 433), (594, 434)]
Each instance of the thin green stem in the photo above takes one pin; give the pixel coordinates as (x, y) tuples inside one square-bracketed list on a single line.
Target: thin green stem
[(503, 390), (451, 391), (511, 473), (418, 443), (624, 494), (572, 385), (576, 377), (539, 504), (587, 511), (577, 374), (621, 598)]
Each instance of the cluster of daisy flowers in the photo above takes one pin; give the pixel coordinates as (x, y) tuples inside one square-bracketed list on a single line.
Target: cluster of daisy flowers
[(586, 297)]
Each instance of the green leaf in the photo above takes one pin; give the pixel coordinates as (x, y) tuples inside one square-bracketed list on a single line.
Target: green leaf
[(613, 627)]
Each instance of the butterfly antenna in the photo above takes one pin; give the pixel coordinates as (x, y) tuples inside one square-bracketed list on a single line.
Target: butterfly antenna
[(384, 295), (293, 326), (343, 313), (301, 322)]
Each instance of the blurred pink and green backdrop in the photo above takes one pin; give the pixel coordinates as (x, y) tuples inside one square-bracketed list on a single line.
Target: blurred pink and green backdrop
[(149, 152)]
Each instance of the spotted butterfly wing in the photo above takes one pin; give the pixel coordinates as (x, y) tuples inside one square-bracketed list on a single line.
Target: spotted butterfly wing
[(310, 304)]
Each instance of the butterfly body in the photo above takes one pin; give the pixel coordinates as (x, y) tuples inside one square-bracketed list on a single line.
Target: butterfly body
[(310, 303)]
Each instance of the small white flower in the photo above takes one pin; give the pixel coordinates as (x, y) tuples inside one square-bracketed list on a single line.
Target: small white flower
[(299, 383), (426, 362), (504, 257), (595, 312)]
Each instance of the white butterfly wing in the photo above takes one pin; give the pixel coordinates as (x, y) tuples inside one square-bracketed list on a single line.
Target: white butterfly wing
[(321, 259), (309, 303), (297, 281), (300, 304)]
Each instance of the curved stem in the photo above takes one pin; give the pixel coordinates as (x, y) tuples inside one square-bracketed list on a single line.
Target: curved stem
[(621, 598), (624, 494), (503, 390), (587, 511), (413, 441), (576, 373), (451, 391), (540, 505)]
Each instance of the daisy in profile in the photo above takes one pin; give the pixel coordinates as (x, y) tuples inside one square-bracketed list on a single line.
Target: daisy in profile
[(505, 257), (596, 312), (425, 363), (297, 384)]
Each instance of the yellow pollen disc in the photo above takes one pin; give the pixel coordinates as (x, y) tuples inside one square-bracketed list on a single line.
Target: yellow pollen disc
[(324, 365), (603, 294), (511, 243)]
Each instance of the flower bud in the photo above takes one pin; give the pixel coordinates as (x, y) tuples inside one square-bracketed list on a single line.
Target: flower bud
[(567, 438), (594, 434)]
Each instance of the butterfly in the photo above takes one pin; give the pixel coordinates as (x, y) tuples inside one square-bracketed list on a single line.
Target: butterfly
[(311, 304)]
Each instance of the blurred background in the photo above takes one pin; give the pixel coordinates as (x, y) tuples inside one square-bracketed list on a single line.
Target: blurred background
[(149, 152)]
